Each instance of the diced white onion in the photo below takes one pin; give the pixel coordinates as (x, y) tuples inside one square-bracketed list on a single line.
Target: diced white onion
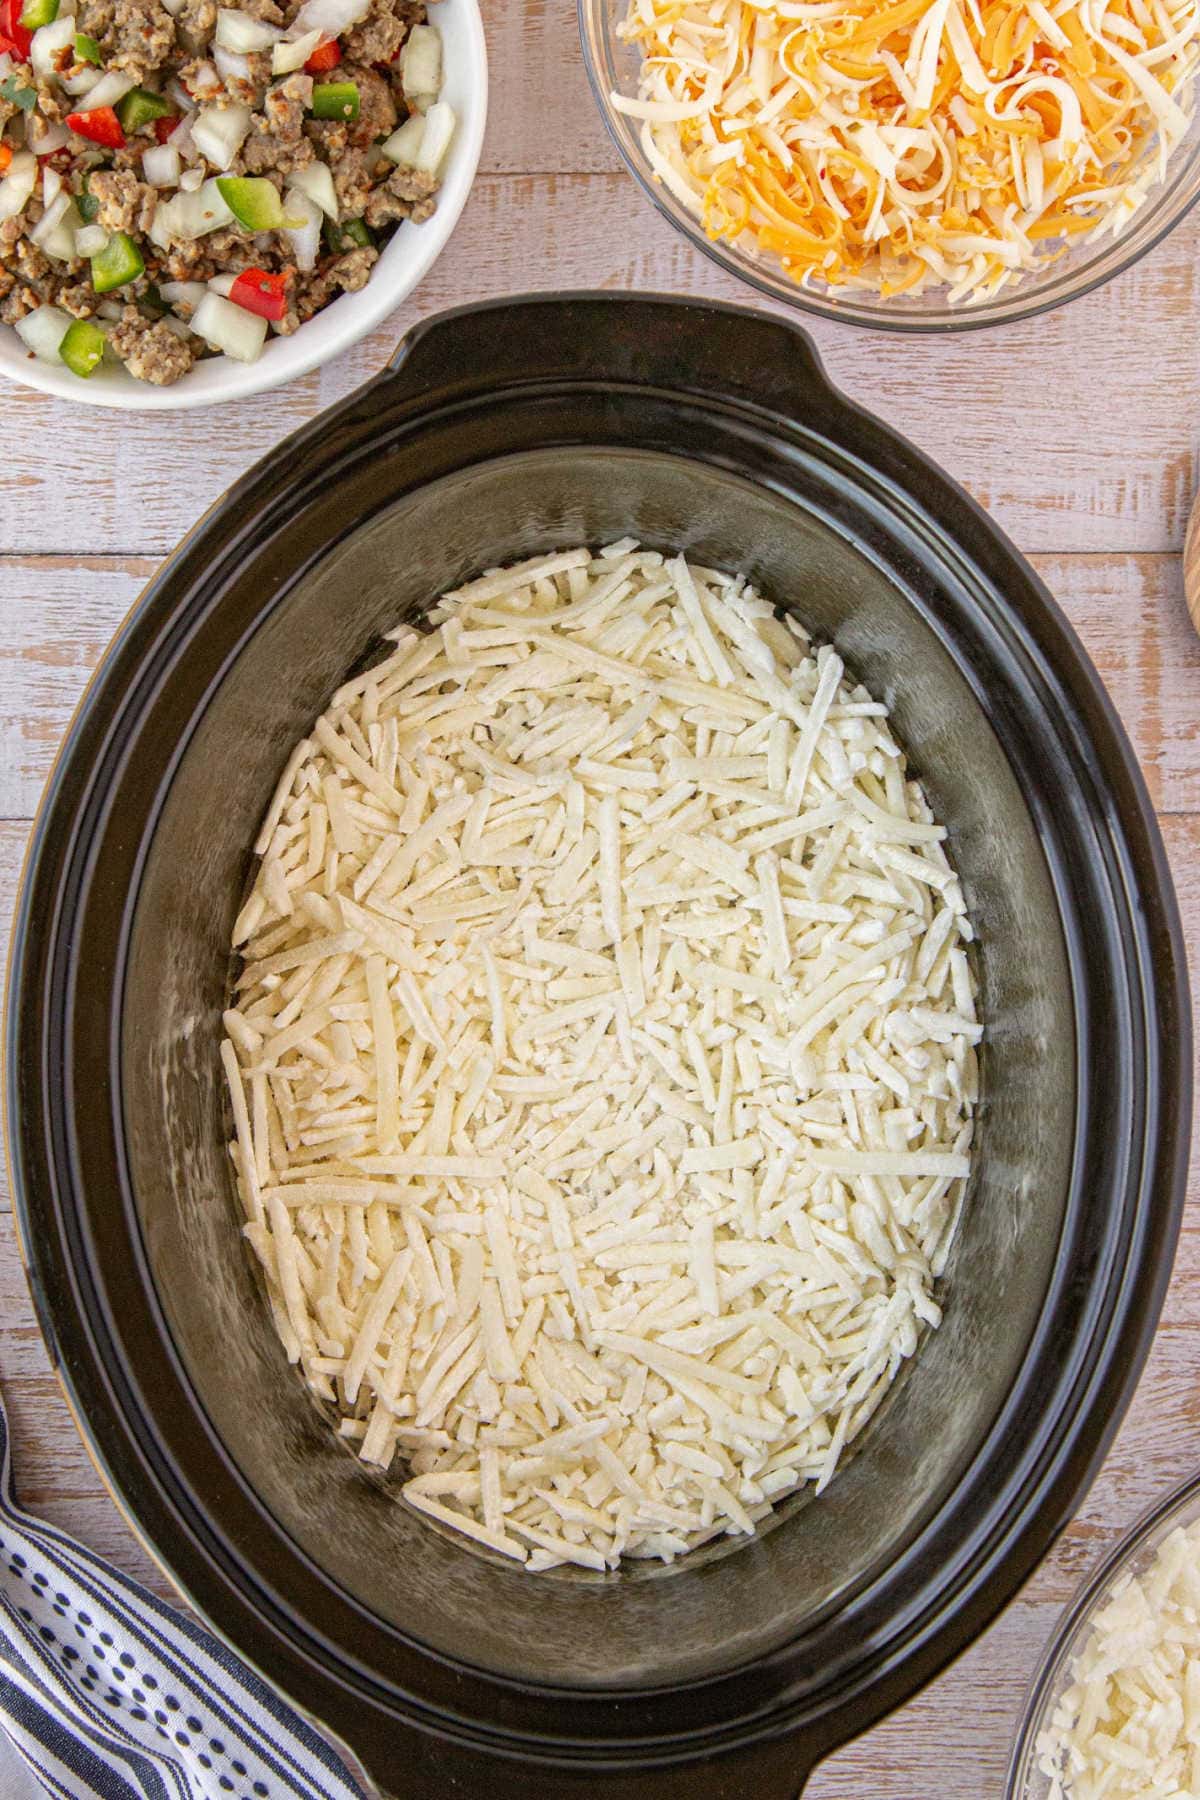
[(109, 89), (52, 183), (18, 184), (47, 42), (43, 330), (304, 239), (178, 95), (404, 145), (90, 240), (240, 32), (222, 284), (54, 233), (111, 310), (316, 180), (83, 83), (331, 17), (191, 179), (230, 65), (192, 215), (177, 326), (293, 53), (160, 230), (439, 129), (205, 82), (182, 293), (44, 139), (181, 140), (161, 166), (421, 62), (50, 219), (174, 7), (224, 326), (219, 132)]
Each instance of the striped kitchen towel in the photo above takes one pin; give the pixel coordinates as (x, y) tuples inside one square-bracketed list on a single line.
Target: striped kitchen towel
[(107, 1693)]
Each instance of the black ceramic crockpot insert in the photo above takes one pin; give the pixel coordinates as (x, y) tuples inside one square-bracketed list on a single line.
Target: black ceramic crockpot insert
[(497, 432)]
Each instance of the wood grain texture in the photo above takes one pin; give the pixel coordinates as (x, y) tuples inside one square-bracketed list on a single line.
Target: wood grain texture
[(59, 614), (1077, 431), (1070, 428)]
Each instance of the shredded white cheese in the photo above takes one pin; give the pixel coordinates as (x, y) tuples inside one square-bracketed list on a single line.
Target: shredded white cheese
[(1127, 1724), (602, 1059)]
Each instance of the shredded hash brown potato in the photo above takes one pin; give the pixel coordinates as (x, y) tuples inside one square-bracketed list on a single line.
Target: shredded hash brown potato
[(923, 144), (602, 1058), (1127, 1726)]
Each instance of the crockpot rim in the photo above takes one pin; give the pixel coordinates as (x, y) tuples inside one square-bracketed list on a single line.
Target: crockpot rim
[(959, 1620)]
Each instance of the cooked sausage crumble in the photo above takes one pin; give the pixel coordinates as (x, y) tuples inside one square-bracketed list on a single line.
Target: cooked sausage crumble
[(180, 179)]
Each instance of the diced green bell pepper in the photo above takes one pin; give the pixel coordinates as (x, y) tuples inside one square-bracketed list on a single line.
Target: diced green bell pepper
[(36, 13), (88, 204), (253, 200), (24, 97), (335, 100), (83, 347), (87, 50), (120, 261), (340, 238), (140, 107)]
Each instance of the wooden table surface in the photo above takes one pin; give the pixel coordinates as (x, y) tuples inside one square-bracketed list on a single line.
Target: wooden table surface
[(1078, 431)]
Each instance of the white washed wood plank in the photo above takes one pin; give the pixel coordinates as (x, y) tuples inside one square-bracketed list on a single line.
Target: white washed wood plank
[(1070, 427), (1132, 618), (56, 620), (541, 115), (953, 1740), (59, 615)]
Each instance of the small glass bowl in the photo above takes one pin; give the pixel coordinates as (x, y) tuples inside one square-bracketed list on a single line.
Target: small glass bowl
[(1134, 1553), (613, 67)]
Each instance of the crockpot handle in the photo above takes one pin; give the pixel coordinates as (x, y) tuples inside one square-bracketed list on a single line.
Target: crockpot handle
[(658, 340)]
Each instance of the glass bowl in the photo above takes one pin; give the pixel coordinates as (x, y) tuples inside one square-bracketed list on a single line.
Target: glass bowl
[(613, 66), (1132, 1555)]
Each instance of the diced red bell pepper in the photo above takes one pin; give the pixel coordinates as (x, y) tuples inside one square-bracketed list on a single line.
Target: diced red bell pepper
[(166, 125), (100, 126), (14, 37), (261, 293), (325, 56)]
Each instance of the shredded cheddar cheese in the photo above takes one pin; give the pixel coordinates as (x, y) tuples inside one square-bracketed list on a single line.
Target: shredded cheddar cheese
[(928, 143)]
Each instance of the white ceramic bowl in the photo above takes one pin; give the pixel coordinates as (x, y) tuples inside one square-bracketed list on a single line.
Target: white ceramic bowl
[(406, 261)]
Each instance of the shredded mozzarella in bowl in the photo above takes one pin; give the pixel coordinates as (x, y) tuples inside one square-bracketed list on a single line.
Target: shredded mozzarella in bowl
[(923, 145), (1120, 1709), (602, 1059)]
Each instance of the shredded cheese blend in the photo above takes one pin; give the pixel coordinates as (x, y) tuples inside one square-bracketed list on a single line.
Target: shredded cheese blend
[(893, 148), (1127, 1725), (602, 1058)]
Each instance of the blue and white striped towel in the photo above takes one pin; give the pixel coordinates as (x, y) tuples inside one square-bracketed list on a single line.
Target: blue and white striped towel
[(110, 1695)]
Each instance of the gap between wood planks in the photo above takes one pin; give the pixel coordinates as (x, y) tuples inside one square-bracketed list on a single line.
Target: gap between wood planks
[(1069, 427)]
